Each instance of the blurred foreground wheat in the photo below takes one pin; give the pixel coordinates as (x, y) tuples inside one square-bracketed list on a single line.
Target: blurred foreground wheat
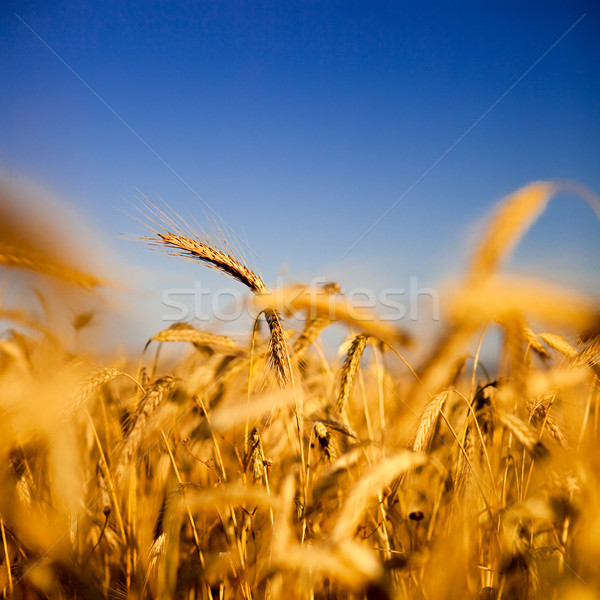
[(256, 469)]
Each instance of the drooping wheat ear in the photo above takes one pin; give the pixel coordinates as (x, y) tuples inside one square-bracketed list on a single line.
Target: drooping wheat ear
[(522, 432), (590, 354), (278, 351), (514, 216), (340, 427), (227, 263), (324, 439), (21, 317), (587, 357), (159, 537), (254, 459), (90, 387), (464, 466), (534, 342), (146, 408), (355, 352), (540, 414), (218, 259), (18, 258), (184, 332), (559, 343), (421, 440)]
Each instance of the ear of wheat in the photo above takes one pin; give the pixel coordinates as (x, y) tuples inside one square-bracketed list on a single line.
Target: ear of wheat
[(355, 352), (185, 332), (226, 262)]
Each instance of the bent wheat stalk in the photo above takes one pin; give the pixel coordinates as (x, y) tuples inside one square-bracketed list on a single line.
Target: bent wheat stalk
[(229, 264), (222, 261), (513, 218)]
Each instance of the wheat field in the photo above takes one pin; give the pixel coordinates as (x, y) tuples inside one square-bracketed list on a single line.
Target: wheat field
[(260, 468)]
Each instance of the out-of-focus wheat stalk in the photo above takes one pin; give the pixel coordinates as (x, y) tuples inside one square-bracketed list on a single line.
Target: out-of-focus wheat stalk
[(19, 258)]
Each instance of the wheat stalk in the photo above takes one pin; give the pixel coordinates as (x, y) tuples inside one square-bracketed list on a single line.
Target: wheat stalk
[(540, 414), (98, 379), (222, 261), (295, 298), (587, 357), (559, 343), (145, 410), (421, 440), (512, 219), (228, 263), (324, 440), (355, 352), (523, 433), (534, 342), (280, 358)]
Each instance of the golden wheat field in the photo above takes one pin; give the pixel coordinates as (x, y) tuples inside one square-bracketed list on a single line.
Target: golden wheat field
[(257, 467)]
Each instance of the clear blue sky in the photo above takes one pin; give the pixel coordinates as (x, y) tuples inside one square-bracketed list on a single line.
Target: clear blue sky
[(302, 123)]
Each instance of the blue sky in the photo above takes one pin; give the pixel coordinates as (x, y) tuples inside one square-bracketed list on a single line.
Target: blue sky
[(302, 123)]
